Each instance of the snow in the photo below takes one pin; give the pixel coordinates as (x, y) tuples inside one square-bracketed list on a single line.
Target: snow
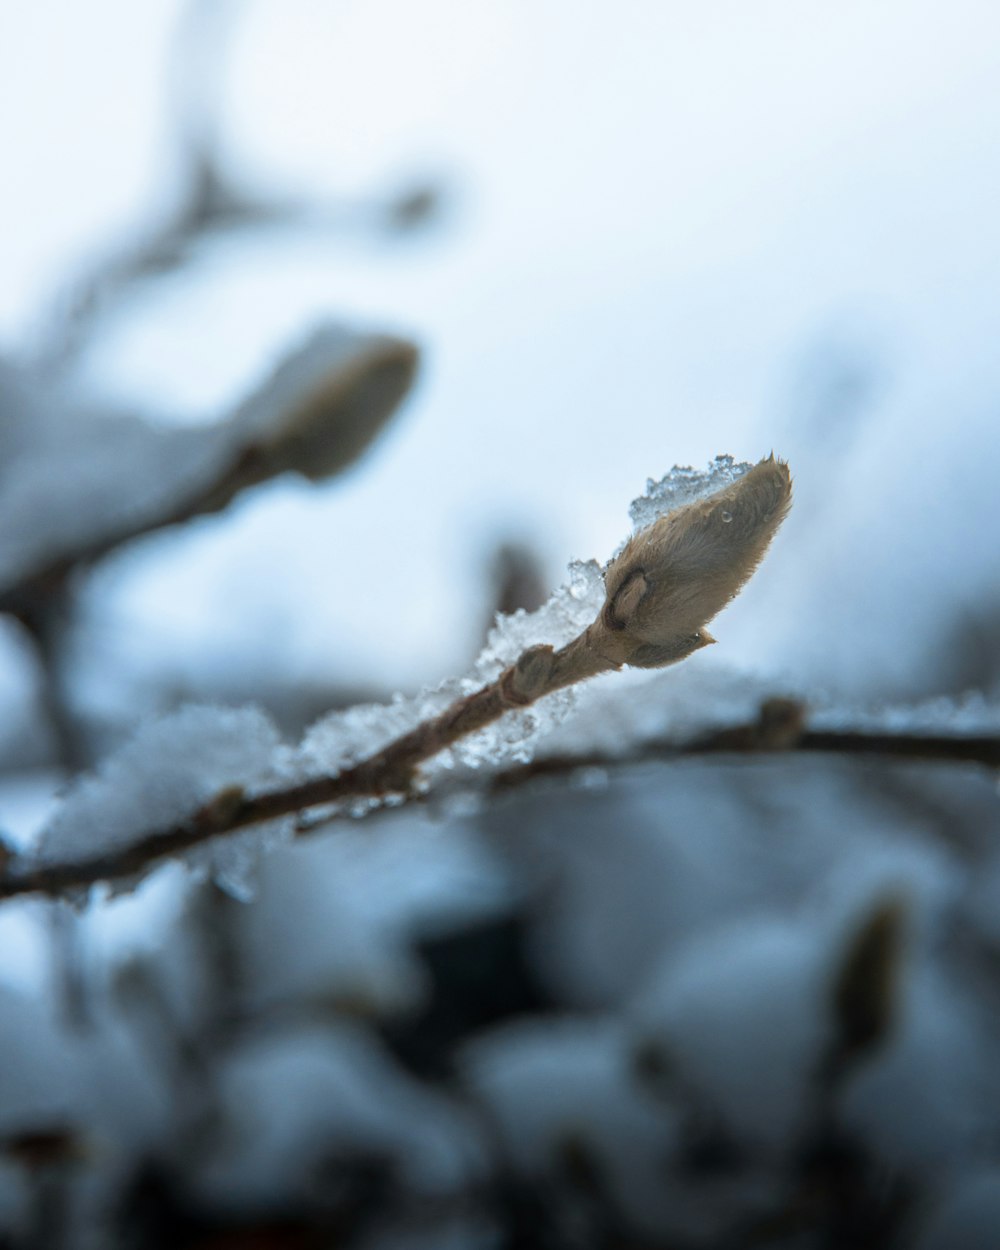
[(684, 485), (345, 737), (971, 713), (176, 764), (296, 1102), (740, 1016), (335, 371), (116, 473), (335, 916), (159, 780), (111, 473), (560, 1091)]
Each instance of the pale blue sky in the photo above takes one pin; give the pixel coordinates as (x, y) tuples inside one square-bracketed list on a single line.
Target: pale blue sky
[(669, 219)]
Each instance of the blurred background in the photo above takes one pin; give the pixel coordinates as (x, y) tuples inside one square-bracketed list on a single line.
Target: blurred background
[(622, 238)]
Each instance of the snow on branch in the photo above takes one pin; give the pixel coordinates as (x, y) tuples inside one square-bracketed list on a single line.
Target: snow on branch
[(189, 779), (74, 485), (217, 786)]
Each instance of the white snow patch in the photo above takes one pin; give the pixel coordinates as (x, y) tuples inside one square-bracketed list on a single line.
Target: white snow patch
[(160, 779), (741, 1014), (297, 1101), (557, 1087)]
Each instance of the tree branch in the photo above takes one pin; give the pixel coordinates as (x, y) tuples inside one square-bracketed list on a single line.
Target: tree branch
[(538, 672), (667, 582), (314, 415), (779, 729)]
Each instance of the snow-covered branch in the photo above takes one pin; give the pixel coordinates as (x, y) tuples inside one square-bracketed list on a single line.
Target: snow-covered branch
[(122, 477), (780, 727), (203, 774)]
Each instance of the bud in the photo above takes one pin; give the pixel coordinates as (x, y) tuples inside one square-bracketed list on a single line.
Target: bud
[(674, 576)]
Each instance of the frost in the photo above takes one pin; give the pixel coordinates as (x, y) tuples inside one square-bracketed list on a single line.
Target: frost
[(342, 738), (172, 768), (558, 621), (175, 765), (684, 485), (158, 780)]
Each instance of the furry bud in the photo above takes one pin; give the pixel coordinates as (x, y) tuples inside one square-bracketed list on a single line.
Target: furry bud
[(674, 576)]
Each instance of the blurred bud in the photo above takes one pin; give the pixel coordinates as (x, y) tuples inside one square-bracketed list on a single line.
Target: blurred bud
[(677, 574), (866, 988), (325, 403)]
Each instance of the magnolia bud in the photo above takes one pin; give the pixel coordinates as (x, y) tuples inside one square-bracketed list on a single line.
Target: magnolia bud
[(674, 576)]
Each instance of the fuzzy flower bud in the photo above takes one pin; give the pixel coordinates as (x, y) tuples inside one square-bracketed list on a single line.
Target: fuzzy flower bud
[(674, 576)]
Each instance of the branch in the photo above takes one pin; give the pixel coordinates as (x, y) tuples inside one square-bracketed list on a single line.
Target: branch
[(539, 671), (780, 729), (668, 580), (314, 416)]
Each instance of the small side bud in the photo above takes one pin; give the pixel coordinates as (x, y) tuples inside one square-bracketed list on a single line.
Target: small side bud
[(223, 805), (674, 576), (528, 679), (649, 655), (866, 986)]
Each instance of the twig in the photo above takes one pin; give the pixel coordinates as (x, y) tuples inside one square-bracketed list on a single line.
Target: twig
[(758, 738), (669, 580), (392, 771), (320, 426), (49, 620)]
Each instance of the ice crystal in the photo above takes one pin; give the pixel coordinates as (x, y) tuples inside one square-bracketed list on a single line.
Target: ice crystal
[(345, 737), (683, 485), (342, 738)]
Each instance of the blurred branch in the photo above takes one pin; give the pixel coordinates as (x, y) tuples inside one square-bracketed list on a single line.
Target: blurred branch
[(314, 416), (211, 201), (48, 622), (781, 728)]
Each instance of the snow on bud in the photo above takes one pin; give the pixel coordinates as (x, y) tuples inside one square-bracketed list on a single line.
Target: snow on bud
[(673, 577)]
